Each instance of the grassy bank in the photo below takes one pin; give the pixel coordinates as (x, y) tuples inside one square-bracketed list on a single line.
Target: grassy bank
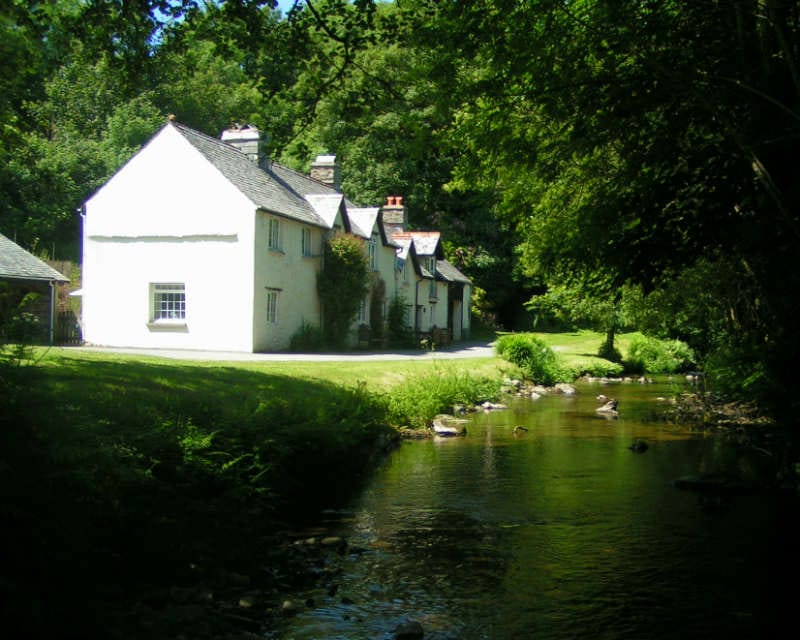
[(124, 478), (120, 475)]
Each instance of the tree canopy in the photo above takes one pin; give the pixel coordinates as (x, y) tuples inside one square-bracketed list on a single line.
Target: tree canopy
[(584, 145)]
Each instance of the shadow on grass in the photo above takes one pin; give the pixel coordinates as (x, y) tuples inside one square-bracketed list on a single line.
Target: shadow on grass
[(117, 476)]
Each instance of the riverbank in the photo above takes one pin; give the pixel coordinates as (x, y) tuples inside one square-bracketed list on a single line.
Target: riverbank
[(143, 497)]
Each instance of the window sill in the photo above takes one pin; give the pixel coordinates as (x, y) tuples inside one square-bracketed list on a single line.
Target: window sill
[(166, 326), (280, 252)]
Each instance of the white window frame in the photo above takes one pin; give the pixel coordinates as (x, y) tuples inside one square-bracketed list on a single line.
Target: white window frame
[(362, 310), (168, 303), (272, 306), (306, 249), (274, 233)]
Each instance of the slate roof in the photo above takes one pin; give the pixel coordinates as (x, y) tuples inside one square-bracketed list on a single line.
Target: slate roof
[(448, 272), (426, 243), (274, 188), (18, 264)]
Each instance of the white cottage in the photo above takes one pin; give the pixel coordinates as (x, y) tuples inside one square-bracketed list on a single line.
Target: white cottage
[(201, 243)]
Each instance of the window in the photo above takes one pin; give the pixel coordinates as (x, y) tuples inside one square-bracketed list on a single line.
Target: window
[(305, 242), (169, 302), (405, 271), (362, 311), (372, 251), (274, 230), (430, 265), (272, 306)]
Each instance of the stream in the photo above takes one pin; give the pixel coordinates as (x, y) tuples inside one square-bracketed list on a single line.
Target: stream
[(560, 531)]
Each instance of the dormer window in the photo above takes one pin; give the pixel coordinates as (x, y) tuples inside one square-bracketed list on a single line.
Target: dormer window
[(430, 265)]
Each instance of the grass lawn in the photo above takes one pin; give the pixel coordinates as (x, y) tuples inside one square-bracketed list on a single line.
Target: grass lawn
[(376, 374)]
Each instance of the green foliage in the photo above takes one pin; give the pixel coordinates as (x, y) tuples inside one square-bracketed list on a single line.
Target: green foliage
[(398, 332), (377, 298), (307, 338), (538, 362), (652, 355), (597, 367), (417, 400), (342, 284), (19, 328)]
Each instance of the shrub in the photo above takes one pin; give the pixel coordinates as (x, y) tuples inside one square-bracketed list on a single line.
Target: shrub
[(307, 338), (652, 355), (538, 362), (398, 332), (595, 367)]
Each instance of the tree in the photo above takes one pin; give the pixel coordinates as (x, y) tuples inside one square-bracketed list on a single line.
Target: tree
[(632, 139)]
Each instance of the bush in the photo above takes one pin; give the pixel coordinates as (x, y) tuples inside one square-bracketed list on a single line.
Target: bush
[(397, 331), (652, 355), (532, 356), (307, 338), (596, 367)]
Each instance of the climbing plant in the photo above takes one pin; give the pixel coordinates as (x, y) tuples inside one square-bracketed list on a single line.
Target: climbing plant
[(377, 299), (342, 283)]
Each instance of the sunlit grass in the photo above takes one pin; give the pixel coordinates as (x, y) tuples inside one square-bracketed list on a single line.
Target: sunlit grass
[(376, 374)]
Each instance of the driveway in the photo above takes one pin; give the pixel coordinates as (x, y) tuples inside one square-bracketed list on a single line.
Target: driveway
[(458, 350)]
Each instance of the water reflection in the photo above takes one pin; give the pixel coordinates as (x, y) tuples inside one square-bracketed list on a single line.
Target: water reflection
[(556, 532)]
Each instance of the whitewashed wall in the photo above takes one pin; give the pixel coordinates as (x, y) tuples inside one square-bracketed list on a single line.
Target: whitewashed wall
[(168, 216)]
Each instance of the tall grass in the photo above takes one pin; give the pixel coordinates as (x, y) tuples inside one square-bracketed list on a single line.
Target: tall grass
[(418, 399)]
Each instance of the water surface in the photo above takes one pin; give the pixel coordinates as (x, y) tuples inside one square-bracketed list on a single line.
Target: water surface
[(559, 532)]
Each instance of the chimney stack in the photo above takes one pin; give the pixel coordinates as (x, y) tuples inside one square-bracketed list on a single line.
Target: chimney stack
[(394, 215), (248, 140), (325, 170)]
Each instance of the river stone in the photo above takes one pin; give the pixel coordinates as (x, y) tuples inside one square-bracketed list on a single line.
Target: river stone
[(331, 541), (566, 389), (409, 630), (289, 608)]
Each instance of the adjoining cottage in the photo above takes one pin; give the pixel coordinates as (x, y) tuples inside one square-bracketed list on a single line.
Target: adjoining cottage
[(204, 243), (22, 274)]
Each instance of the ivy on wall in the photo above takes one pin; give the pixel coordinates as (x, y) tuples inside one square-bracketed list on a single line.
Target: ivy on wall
[(342, 283)]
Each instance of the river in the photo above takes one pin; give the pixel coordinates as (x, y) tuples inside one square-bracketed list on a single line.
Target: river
[(560, 531)]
